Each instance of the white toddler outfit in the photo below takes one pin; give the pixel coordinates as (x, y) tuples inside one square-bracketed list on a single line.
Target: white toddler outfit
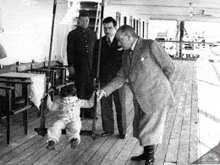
[(68, 118)]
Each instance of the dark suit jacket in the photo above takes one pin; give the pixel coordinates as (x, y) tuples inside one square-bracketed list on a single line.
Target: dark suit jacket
[(80, 44), (110, 61)]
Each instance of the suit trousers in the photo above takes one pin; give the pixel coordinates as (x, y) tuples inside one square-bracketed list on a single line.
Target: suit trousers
[(108, 115)]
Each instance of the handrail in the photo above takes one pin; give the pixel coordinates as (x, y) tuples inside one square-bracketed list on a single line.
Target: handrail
[(193, 42)]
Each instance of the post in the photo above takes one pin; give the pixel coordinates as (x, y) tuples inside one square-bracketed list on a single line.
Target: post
[(181, 38), (96, 80), (42, 130)]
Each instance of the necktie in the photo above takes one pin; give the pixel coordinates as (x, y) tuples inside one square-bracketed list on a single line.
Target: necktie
[(109, 42), (130, 55)]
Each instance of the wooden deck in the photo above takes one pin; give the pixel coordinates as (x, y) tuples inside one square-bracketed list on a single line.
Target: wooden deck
[(191, 131)]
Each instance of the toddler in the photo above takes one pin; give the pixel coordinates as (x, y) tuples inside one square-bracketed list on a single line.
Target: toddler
[(68, 108)]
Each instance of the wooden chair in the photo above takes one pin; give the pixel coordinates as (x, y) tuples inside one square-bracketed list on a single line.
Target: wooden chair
[(23, 67), (13, 107), (51, 76), (62, 80), (59, 83)]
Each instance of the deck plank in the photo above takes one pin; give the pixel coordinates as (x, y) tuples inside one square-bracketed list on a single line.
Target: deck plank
[(62, 148), (34, 142), (125, 153), (21, 145), (93, 149), (174, 141), (179, 78), (183, 153), (65, 158), (194, 121), (136, 151), (118, 146)]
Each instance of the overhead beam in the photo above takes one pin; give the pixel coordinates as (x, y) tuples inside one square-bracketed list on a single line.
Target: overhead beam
[(163, 6)]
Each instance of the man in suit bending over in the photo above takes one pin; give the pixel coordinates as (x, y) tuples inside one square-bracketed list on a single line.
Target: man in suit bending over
[(149, 71)]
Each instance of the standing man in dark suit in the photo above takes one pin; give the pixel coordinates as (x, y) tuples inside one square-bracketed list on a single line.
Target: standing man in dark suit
[(149, 71), (80, 44), (110, 63)]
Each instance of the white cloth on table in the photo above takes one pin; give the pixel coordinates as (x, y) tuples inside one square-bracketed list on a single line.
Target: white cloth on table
[(37, 87)]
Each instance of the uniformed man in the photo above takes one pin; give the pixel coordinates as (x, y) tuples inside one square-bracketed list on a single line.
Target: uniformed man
[(80, 44)]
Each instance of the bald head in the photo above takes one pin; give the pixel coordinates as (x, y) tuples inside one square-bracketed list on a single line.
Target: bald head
[(126, 36), (126, 29)]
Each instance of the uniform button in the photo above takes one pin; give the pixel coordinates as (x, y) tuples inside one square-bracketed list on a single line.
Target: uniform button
[(87, 51), (87, 46)]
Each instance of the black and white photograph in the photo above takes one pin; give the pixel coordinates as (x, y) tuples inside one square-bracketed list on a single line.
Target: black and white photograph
[(109, 82)]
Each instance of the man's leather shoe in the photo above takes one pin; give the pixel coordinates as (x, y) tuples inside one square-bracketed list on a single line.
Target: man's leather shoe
[(149, 161), (122, 136), (104, 134), (139, 158), (147, 155)]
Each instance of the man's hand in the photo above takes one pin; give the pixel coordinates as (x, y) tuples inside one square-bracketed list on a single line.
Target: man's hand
[(100, 93), (71, 70)]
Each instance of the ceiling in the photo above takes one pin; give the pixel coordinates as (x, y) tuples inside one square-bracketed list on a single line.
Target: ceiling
[(182, 10), (199, 10)]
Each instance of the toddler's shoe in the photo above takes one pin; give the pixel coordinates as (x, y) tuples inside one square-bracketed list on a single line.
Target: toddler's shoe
[(74, 143), (51, 145)]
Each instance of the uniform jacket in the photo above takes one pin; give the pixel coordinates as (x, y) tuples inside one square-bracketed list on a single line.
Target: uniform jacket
[(70, 112), (150, 71), (110, 61), (80, 44)]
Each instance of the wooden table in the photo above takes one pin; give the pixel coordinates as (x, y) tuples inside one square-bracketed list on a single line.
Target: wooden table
[(36, 89)]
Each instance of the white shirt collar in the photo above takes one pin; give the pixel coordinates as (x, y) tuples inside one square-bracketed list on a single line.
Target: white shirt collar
[(132, 48), (112, 38)]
